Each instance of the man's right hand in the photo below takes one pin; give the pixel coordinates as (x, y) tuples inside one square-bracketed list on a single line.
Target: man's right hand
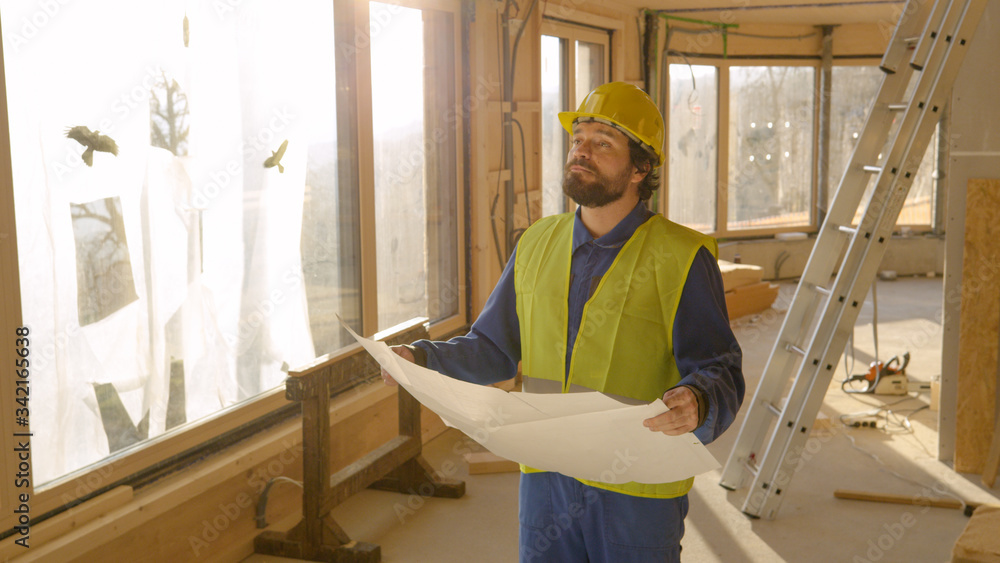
[(402, 352)]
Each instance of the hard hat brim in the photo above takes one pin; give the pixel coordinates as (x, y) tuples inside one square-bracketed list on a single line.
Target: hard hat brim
[(568, 118)]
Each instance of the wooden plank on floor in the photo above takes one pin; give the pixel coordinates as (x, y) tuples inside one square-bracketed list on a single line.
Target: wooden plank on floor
[(481, 463), (993, 458)]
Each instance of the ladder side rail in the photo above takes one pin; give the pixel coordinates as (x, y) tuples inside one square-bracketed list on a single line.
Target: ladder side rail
[(910, 23), (866, 257), (757, 422), (818, 271), (930, 33), (809, 391)]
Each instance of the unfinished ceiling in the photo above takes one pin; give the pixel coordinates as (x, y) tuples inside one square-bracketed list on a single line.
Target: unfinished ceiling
[(797, 12)]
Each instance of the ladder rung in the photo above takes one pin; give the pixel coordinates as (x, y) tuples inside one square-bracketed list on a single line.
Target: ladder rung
[(898, 107), (872, 169), (822, 290), (751, 468), (793, 348), (846, 229), (911, 40), (773, 409)]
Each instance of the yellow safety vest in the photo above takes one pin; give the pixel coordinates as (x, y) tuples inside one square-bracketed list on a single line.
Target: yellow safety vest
[(625, 342)]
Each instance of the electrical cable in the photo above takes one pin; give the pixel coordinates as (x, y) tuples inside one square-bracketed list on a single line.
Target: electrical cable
[(885, 469), (875, 316), (262, 501), (848, 369), (496, 197), (892, 423), (517, 40)]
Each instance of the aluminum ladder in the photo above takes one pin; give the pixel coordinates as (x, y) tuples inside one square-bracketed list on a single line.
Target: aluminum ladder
[(821, 316)]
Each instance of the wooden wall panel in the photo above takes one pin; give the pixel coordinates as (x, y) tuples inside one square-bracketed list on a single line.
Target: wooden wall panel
[(979, 328)]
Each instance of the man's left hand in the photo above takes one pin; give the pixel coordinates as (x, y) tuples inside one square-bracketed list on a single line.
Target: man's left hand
[(682, 416)]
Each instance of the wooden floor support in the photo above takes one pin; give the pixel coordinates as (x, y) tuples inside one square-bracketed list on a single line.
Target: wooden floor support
[(397, 465)]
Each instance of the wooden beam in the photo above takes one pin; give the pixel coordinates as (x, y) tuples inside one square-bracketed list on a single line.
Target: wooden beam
[(992, 464), (372, 467), (10, 324)]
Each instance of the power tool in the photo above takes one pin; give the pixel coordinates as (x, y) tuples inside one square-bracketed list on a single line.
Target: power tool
[(887, 378)]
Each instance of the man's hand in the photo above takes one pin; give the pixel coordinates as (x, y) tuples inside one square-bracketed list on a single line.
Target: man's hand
[(404, 352), (682, 416)]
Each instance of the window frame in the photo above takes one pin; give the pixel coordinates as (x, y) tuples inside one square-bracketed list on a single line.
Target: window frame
[(592, 29), (192, 440)]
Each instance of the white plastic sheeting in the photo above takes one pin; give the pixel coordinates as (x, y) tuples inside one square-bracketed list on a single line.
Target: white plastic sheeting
[(213, 237)]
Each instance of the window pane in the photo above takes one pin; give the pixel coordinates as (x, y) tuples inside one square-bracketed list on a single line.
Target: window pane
[(853, 90), (553, 137), (918, 208), (589, 69), (172, 279), (694, 142), (770, 146), (415, 165)]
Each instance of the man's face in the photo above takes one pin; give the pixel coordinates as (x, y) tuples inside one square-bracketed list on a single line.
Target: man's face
[(599, 167)]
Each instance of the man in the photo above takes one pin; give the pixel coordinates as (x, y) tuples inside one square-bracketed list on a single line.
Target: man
[(616, 299)]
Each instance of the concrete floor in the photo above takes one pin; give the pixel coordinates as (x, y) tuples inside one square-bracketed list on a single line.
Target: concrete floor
[(811, 526)]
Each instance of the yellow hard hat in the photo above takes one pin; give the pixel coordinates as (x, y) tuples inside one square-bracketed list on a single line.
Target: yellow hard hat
[(627, 108)]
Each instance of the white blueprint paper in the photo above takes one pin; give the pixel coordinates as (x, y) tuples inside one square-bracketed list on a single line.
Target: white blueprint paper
[(583, 435)]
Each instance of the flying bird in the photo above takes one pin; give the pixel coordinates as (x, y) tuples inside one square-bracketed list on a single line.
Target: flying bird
[(275, 158), (93, 140)]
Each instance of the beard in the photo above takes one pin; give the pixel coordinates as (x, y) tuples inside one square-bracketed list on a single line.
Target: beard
[(598, 191)]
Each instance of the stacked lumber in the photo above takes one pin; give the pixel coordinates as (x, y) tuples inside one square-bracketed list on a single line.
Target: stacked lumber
[(746, 292)]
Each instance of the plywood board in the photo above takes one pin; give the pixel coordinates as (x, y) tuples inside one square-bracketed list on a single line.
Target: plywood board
[(979, 328), (979, 541)]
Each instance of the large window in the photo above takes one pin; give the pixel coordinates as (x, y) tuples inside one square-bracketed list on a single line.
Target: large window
[(187, 224), (574, 62), (767, 149)]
